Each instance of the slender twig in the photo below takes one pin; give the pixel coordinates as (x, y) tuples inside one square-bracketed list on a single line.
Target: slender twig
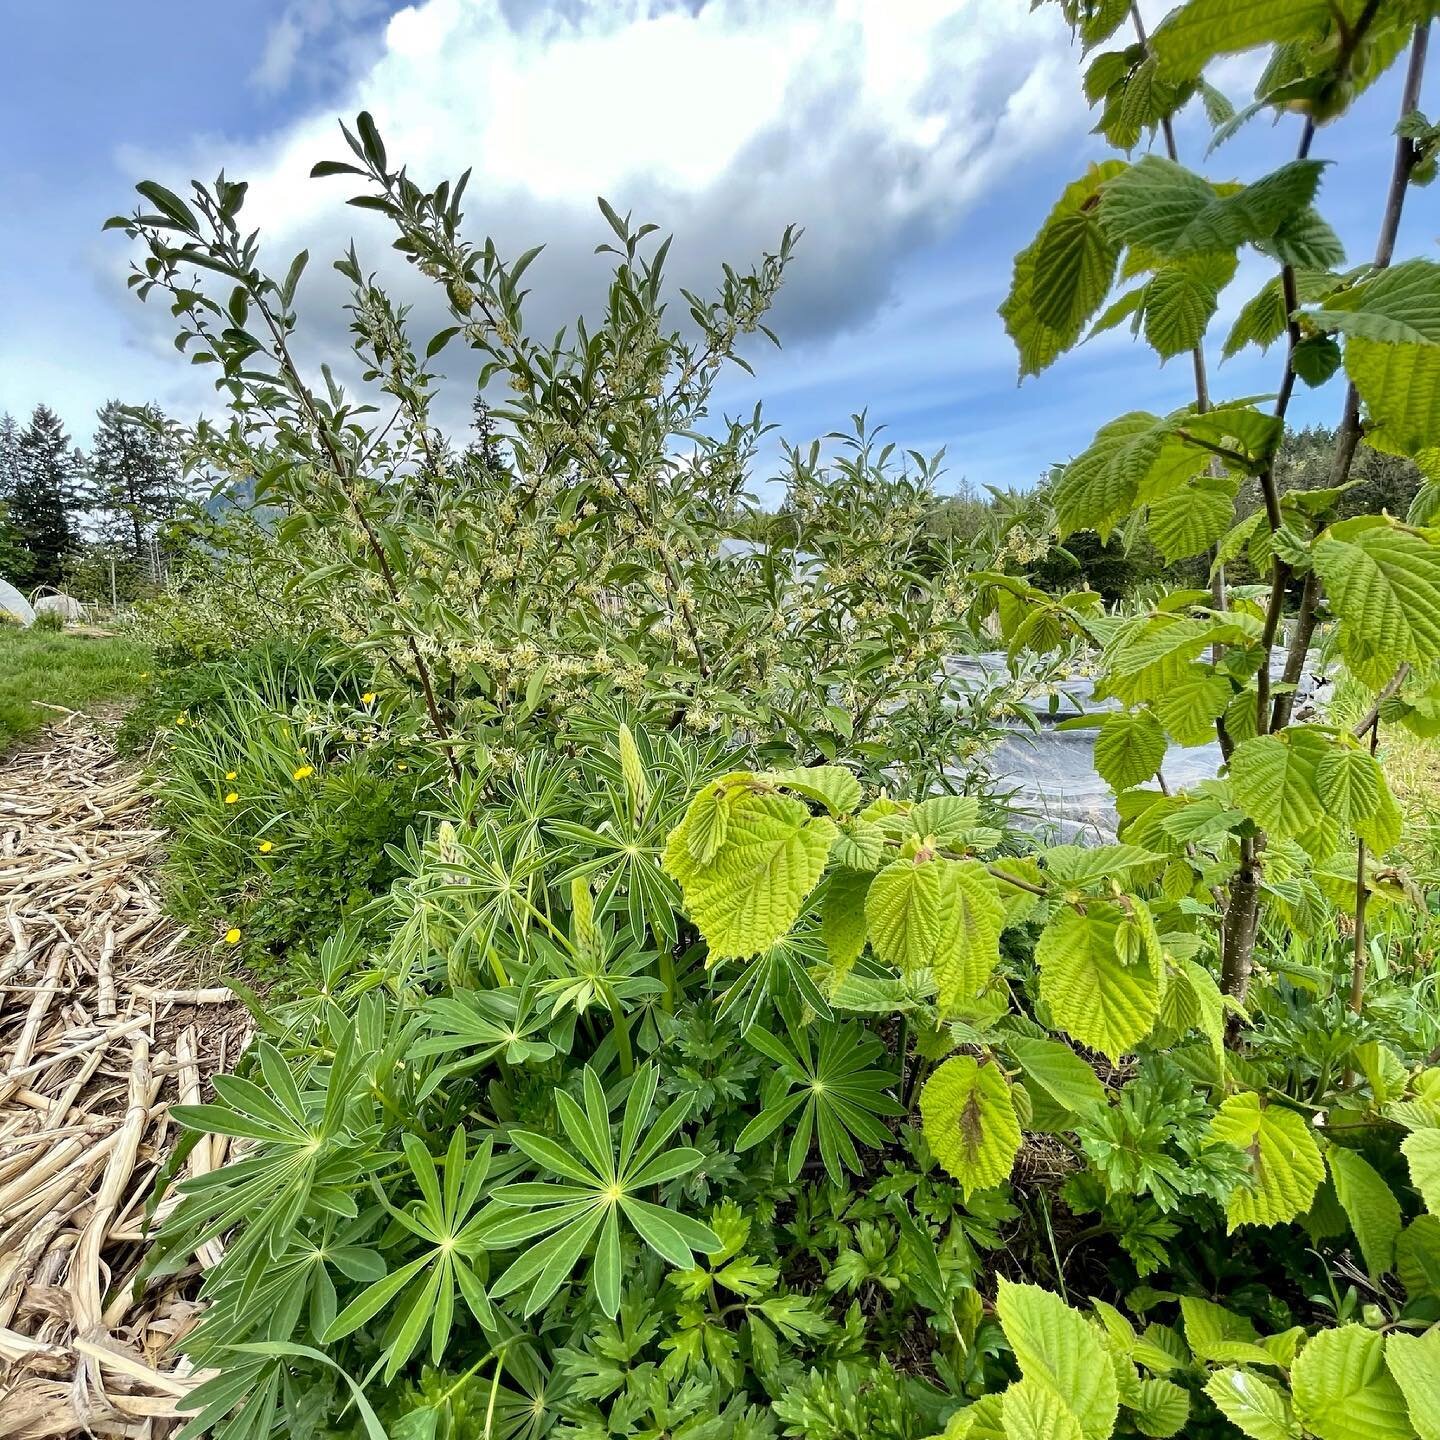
[(1362, 896), (1241, 931), (1220, 452), (1347, 438), (1371, 722), (343, 476), (382, 560), (1020, 884), (1360, 963)]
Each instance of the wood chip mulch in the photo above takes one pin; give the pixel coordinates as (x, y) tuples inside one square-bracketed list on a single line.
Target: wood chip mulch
[(102, 1030)]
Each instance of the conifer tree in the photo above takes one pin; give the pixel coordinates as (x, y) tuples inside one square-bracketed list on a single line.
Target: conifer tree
[(43, 502), (10, 547), (134, 475)]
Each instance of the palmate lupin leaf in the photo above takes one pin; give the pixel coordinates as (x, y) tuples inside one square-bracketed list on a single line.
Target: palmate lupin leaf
[(277, 1296), (421, 1292), (262, 1374), (597, 1181), (312, 1151), (783, 970), (620, 835), (831, 1089), (481, 1024), (309, 1155)]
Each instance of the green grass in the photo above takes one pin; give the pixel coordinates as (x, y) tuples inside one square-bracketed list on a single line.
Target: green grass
[(1412, 768), (55, 668)]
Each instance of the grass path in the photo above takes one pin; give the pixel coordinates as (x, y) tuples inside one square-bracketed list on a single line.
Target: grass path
[(72, 670)]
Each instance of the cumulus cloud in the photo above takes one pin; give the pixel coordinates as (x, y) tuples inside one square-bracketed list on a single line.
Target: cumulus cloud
[(323, 41), (873, 125)]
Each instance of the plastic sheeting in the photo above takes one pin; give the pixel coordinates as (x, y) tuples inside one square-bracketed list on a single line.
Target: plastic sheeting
[(14, 603), (1050, 774), (67, 607)]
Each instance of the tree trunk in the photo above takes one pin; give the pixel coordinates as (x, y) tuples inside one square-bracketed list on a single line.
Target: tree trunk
[(1238, 930)]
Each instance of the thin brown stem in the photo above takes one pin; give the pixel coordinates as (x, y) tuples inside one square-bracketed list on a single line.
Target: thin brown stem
[(1361, 961), (1007, 878), (1371, 723), (344, 478), (1305, 621), (1279, 580)]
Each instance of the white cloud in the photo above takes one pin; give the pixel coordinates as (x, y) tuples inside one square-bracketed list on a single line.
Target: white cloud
[(873, 125), (323, 40)]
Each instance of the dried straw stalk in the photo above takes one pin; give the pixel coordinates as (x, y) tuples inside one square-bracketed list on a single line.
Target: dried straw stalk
[(103, 1027)]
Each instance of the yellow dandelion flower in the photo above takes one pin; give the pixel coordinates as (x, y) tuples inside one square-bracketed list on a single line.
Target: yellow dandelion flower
[(303, 772), (182, 719), (231, 774), (368, 698), (266, 846), (232, 937), (232, 797)]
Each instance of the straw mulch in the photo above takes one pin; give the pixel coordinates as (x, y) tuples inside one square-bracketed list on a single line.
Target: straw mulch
[(102, 1030)]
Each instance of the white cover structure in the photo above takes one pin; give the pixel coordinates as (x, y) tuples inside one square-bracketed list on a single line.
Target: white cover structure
[(12, 602), (67, 607)]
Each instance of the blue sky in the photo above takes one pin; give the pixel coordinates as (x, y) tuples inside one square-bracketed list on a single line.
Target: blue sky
[(919, 144)]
